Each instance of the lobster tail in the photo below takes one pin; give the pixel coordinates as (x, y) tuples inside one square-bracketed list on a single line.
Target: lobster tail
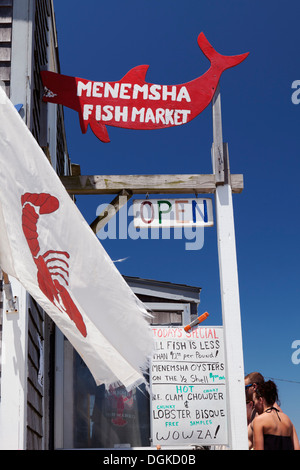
[(44, 201), (30, 216)]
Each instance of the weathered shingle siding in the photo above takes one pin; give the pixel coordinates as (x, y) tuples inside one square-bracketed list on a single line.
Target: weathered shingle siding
[(41, 30), (35, 379), (6, 10), (36, 316)]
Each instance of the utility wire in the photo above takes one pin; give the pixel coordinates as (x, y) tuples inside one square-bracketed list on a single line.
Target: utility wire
[(283, 380)]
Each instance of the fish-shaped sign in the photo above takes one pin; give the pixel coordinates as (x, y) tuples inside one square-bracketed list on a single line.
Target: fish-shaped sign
[(132, 103)]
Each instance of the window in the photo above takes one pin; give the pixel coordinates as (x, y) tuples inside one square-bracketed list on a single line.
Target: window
[(166, 318), (108, 418), (88, 416)]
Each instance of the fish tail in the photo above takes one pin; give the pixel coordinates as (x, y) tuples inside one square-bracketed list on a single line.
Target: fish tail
[(223, 62)]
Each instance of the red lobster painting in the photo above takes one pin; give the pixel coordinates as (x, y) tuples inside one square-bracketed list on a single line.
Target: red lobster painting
[(52, 266)]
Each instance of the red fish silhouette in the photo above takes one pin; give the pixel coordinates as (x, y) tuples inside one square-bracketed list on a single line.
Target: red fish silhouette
[(134, 104), (33, 206)]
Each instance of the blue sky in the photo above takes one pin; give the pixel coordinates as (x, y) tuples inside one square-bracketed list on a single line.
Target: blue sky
[(101, 41)]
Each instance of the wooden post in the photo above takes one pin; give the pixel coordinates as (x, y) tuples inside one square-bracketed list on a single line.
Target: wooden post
[(111, 210), (236, 404), (143, 184)]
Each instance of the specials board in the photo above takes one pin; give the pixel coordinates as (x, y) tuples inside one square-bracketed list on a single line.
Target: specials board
[(188, 392)]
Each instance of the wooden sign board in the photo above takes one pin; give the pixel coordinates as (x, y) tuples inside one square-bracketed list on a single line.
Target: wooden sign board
[(131, 102), (188, 387), (161, 213)]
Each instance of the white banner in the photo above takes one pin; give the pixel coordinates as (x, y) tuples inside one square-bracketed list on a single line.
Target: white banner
[(47, 245)]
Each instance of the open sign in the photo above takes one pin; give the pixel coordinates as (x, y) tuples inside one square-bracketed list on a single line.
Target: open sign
[(173, 212)]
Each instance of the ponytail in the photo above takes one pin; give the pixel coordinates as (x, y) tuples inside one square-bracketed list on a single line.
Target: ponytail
[(268, 391)]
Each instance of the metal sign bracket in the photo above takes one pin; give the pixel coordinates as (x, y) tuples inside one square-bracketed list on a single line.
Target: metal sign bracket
[(11, 301)]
